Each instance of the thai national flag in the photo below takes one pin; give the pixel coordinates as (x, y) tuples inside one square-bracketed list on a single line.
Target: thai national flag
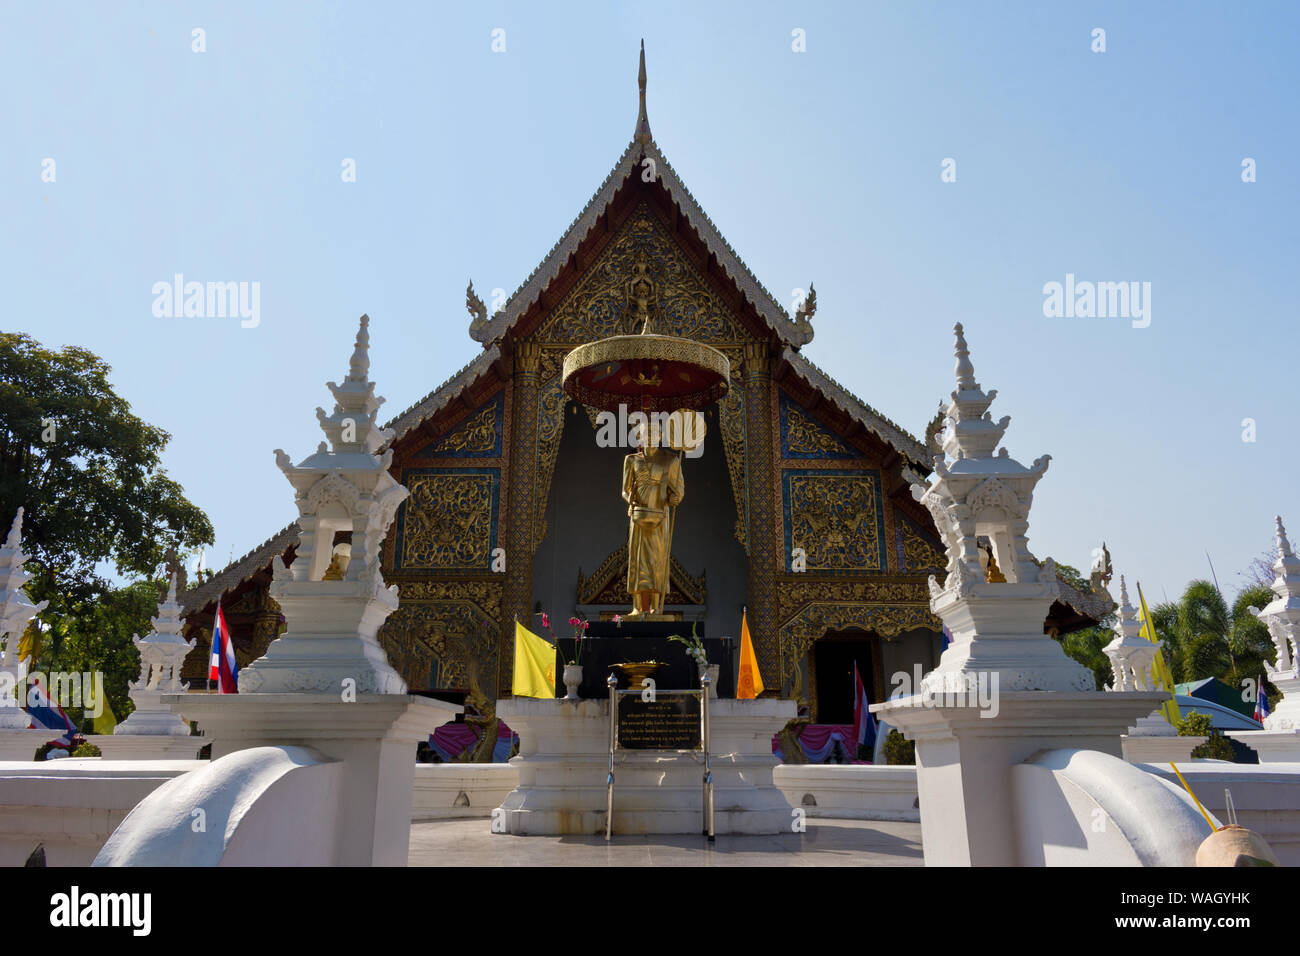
[(223, 668), (46, 714), (946, 639), (1261, 703), (864, 722)]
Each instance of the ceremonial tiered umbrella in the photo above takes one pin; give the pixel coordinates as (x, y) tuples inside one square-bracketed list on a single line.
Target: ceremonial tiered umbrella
[(649, 372)]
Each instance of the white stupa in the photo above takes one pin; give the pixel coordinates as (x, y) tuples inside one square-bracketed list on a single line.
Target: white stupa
[(1280, 738), (996, 626), (162, 653), (331, 642), (1152, 739), (16, 612)]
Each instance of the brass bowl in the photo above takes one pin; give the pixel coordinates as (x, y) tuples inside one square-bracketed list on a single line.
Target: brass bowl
[(635, 672)]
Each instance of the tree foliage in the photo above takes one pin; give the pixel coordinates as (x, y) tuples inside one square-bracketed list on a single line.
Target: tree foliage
[(1086, 647), (1205, 637), (87, 471), (97, 637)]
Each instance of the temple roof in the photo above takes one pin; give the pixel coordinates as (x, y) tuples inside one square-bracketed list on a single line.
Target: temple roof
[(792, 333), (240, 570)]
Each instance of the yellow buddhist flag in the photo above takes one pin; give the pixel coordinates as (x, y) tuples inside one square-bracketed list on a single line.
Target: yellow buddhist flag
[(106, 720), (534, 665), (750, 682), (29, 645), (1160, 672)]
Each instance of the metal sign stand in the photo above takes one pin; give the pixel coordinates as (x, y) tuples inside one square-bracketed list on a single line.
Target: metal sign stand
[(701, 755)]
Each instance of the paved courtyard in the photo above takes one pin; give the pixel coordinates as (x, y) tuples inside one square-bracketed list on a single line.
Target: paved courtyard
[(826, 843)]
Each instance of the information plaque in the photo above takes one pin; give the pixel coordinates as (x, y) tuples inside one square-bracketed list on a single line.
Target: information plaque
[(671, 721)]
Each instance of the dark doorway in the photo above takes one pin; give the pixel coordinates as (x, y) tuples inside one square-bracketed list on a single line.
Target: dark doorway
[(833, 658)]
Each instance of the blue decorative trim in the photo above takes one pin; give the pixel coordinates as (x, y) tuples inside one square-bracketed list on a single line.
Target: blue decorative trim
[(786, 403), (498, 427)]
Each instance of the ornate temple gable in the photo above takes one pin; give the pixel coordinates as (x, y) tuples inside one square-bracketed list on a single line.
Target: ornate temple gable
[(608, 583), (596, 304), (523, 311), (599, 304)]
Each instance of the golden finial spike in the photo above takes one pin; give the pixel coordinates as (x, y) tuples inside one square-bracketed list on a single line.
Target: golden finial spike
[(642, 120)]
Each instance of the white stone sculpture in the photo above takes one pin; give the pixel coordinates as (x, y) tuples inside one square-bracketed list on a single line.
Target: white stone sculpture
[(996, 627), (1282, 618), (16, 612), (1152, 739), (1131, 655), (161, 655), (1032, 698), (332, 625)]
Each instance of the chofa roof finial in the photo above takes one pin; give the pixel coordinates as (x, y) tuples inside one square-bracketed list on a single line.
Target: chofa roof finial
[(642, 120)]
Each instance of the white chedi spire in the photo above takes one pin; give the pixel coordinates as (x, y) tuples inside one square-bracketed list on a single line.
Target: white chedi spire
[(977, 494), (972, 433), (1282, 615), (1131, 655), (343, 490), (16, 612), (162, 654), (16, 608), (996, 626)]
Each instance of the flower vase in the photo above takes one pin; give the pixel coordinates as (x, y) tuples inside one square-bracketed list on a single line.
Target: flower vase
[(572, 680)]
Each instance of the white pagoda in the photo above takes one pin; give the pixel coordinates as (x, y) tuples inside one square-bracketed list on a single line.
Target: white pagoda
[(331, 644), (16, 612), (1280, 738), (1152, 739)]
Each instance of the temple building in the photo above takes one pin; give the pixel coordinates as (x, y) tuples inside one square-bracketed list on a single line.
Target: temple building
[(799, 509)]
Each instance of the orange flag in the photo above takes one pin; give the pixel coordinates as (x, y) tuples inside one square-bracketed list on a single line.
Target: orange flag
[(750, 682)]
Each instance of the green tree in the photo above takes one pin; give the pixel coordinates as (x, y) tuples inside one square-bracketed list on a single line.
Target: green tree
[(97, 637), (1205, 637), (1086, 647), (87, 471), (1217, 747)]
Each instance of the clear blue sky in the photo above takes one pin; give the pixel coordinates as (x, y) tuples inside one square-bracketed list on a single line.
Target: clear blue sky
[(823, 165)]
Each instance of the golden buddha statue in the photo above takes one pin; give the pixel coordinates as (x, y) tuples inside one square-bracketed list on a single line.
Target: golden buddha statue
[(653, 487)]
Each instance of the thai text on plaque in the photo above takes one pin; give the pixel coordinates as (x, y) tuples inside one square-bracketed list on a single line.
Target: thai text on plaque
[(669, 722)]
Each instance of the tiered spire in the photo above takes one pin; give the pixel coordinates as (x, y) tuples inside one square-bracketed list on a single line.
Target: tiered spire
[(162, 653), (972, 432), (642, 134), (978, 494), (996, 621), (352, 428), (16, 608), (1282, 616), (1131, 655), (344, 472), (344, 490)]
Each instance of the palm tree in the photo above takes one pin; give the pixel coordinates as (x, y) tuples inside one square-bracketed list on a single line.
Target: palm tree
[(1205, 638)]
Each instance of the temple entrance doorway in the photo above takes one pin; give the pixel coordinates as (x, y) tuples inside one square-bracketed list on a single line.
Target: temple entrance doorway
[(834, 655)]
